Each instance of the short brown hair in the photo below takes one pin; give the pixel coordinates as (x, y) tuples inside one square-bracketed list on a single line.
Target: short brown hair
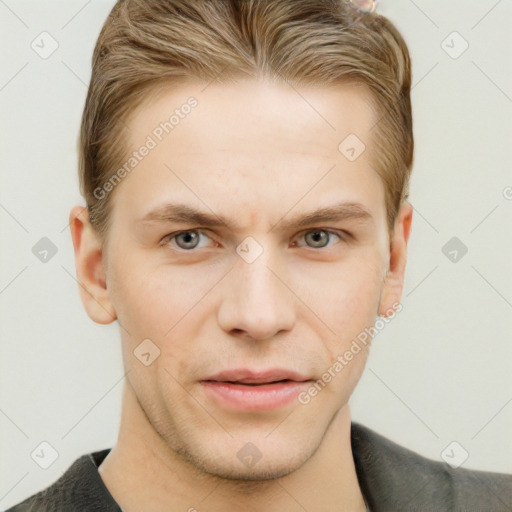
[(145, 43)]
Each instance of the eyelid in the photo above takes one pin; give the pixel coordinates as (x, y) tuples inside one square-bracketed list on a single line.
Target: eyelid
[(299, 242), (166, 240), (342, 234)]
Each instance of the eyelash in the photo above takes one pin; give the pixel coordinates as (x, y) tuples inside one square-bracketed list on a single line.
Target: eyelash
[(167, 239)]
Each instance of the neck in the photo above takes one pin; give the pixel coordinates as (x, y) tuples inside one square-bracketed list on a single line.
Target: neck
[(143, 473)]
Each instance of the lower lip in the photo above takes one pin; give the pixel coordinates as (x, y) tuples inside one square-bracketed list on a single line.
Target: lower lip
[(256, 397)]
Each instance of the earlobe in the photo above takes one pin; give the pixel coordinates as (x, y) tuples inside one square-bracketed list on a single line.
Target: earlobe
[(90, 267), (394, 279)]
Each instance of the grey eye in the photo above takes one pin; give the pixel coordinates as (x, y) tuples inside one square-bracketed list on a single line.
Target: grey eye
[(187, 240), (317, 238)]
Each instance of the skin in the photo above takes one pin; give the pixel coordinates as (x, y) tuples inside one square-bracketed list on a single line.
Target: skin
[(261, 156)]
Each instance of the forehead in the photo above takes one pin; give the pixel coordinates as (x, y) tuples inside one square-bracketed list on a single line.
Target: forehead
[(248, 112), (261, 145)]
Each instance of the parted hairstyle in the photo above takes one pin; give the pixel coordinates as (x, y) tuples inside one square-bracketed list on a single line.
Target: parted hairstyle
[(147, 44)]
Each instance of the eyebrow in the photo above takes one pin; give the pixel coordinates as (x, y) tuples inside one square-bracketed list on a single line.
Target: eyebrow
[(184, 214)]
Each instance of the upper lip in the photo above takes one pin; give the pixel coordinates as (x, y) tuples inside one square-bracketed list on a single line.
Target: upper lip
[(248, 376)]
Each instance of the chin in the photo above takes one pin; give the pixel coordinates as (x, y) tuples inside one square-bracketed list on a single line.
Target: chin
[(272, 460), (264, 470)]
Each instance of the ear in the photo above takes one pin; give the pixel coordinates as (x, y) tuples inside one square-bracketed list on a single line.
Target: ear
[(90, 267), (394, 279)]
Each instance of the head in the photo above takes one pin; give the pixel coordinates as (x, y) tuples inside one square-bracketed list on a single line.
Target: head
[(245, 166)]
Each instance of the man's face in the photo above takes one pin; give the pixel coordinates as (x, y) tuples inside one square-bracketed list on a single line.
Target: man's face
[(254, 285)]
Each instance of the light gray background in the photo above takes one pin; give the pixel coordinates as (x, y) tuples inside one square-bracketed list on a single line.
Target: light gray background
[(440, 372)]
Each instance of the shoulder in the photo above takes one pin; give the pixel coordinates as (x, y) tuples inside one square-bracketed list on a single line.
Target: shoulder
[(79, 488), (394, 478)]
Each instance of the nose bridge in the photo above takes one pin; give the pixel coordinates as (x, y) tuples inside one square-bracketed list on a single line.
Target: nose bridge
[(256, 302), (256, 279)]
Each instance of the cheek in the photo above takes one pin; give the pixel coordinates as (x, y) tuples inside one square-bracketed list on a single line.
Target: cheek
[(344, 295), (154, 300), (350, 307), (360, 293), (163, 303)]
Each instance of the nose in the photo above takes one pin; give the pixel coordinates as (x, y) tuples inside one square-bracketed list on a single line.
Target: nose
[(256, 304)]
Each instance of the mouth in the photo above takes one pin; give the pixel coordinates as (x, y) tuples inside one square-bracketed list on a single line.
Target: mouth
[(253, 384), (250, 390), (248, 376)]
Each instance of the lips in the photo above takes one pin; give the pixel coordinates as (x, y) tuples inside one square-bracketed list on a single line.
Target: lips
[(254, 390), (255, 377)]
